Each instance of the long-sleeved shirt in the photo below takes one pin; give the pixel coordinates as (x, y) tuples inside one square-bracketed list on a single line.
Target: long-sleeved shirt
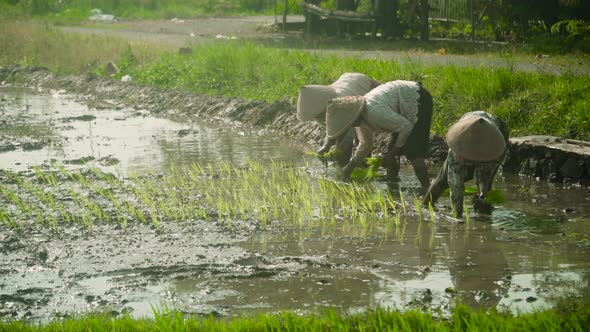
[(351, 84), (391, 107)]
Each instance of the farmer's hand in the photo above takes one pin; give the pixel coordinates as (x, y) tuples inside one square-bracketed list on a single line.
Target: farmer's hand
[(481, 206), (328, 143), (321, 156), (347, 171)]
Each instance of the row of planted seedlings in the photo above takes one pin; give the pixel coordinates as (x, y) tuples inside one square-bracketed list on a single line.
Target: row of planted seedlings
[(258, 192)]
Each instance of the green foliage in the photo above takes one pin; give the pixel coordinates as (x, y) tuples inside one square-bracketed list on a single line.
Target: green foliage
[(369, 173), (576, 32), (79, 10), (494, 196), (463, 319), (529, 102), (38, 44), (572, 28), (127, 60)]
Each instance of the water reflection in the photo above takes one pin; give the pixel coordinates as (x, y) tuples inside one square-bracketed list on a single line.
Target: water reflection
[(532, 249), (68, 131), (434, 265)]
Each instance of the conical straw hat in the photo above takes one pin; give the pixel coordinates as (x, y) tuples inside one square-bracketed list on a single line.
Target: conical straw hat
[(313, 100), (341, 114), (476, 138)]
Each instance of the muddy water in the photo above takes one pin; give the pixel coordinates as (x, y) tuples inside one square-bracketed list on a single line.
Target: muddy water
[(53, 126), (530, 253)]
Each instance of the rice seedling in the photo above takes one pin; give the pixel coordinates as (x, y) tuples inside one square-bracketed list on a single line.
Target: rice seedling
[(496, 197), (154, 216), (431, 211), (7, 219), (403, 202), (271, 193), (431, 237), (493, 196), (418, 204)]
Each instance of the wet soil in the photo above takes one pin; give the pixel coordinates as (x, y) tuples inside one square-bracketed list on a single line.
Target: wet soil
[(530, 253)]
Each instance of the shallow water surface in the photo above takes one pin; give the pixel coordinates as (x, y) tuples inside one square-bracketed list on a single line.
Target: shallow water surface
[(56, 127), (529, 253)]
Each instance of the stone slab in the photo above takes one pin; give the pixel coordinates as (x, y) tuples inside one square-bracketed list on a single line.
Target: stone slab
[(550, 158)]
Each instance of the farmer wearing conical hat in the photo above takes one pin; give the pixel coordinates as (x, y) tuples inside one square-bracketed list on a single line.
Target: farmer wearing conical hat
[(477, 144), (402, 108), (313, 100)]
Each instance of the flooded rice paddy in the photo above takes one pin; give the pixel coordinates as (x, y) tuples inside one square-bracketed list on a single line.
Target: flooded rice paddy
[(533, 252)]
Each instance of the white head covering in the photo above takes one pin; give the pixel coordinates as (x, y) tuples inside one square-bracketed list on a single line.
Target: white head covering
[(313, 99)]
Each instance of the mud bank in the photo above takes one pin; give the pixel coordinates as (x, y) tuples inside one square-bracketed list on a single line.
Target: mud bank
[(279, 116), (543, 157)]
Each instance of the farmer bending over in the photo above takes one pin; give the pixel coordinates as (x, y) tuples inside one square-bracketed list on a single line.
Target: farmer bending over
[(313, 100), (477, 144), (402, 108)]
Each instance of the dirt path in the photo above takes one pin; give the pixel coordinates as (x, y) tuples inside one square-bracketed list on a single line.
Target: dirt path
[(177, 33)]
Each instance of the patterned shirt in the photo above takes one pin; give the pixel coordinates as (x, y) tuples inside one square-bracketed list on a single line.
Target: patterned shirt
[(458, 170)]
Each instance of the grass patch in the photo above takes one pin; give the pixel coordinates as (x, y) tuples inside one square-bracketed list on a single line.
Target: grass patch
[(75, 11), (462, 319), (531, 103), (26, 43)]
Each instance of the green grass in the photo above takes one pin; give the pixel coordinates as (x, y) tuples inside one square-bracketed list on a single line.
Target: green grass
[(531, 103), (462, 319), (76, 11), (26, 43)]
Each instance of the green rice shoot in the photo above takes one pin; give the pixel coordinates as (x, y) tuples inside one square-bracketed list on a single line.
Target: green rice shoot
[(275, 193)]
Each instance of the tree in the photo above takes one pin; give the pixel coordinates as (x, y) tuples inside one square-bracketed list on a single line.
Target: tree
[(387, 19)]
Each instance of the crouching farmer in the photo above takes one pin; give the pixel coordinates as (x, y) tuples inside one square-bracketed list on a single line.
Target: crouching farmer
[(402, 108), (477, 144), (313, 100)]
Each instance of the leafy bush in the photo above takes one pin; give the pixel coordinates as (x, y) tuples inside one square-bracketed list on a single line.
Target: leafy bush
[(576, 32)]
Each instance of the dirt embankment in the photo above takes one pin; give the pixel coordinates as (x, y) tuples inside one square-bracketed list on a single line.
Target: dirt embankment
[(533, 157), (278, 116)]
